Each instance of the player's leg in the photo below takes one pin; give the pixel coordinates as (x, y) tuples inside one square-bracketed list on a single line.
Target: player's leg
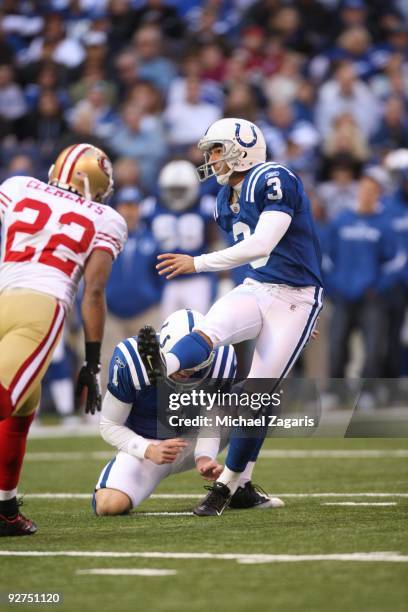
[(13, 436), (31, 325), (233, 318), (125, 482), (288, 316)]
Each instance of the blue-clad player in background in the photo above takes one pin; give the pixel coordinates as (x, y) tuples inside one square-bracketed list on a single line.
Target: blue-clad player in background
[(181, 221), (129, 422), (264, 207)]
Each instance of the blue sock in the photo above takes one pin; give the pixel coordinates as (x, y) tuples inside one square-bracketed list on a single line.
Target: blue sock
[(191, 350), (242, 450)]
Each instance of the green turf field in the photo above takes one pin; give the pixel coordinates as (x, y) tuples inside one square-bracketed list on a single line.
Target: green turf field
[(306, 526)]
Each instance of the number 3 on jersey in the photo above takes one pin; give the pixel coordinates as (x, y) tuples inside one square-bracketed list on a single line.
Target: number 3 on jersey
[(47, 255), (244, 229)]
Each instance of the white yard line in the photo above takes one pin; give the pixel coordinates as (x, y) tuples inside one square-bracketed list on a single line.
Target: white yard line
[(391, 557), (328, 453), (51, 496), (126, 572), (265, 454), (165, 513), (359, 504)]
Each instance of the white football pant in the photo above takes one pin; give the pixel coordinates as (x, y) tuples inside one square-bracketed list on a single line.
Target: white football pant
[(138, 478), (281, 318)]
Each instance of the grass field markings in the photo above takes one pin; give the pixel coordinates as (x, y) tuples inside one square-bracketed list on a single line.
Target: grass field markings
[(387, 557), (165, 513), (359, 503), (265, 454), (145, 571), (244, 558), (56, 496), (337, 454)]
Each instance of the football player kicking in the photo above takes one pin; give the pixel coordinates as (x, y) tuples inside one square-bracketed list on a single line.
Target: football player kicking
[(264, 208), (129, 423), (52, 234)]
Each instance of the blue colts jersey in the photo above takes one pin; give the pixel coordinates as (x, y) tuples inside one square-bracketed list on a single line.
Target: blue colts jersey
[(183, 231), (129, 383), (296, 260)]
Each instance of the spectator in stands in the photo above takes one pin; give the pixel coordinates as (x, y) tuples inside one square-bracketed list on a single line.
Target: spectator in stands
[(392, 132), (188, 120), (63, 50), (145, 143), (46, 125), (126, 71), (361, 242), (20, 165), (97, 102), (241, 102), (161, 15), (283, 86), (134, 288), (153, 66), (81, 129), (148, 98), (346, 138), (345, 93), (126, 172), (339, 192), (13, 106), (48, 78)]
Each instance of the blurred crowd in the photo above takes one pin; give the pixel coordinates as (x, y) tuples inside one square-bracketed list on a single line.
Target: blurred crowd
[(326, 81)]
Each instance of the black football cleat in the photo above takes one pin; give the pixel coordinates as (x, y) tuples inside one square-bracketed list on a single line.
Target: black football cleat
[(17, 525), (215, 502), (149, 351), (252, 496)]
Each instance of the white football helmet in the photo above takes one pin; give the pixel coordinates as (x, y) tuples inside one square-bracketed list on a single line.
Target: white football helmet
[(175, 327), (178, 184), (243, 148)]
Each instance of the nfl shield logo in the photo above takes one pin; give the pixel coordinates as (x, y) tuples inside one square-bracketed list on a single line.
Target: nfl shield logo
[(235, 207)]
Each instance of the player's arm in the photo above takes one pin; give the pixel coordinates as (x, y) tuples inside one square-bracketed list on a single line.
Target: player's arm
[(269, 231), (114, 431), (96, 275), (205, 455)]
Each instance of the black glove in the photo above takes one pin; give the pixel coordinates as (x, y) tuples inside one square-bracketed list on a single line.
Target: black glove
[(89, 378)]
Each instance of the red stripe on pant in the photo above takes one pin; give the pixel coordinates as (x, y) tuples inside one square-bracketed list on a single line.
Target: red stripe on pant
[(33, 355), (13, 436), (40, 366)]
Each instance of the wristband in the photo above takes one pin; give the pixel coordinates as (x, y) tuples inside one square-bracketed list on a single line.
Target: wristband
[(93, 353)]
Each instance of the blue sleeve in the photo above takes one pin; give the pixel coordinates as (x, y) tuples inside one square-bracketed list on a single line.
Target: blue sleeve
[(279, 192), (120, 380)]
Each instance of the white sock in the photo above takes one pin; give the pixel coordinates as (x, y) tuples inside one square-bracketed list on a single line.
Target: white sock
[(230, 479), (172, 364), (246, 475), (5, 495)]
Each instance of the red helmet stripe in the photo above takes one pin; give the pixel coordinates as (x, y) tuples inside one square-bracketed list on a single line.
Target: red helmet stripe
[(71, 170), (65, 159)]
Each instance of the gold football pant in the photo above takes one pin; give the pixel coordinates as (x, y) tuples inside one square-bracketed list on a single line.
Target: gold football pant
[(30, 326)]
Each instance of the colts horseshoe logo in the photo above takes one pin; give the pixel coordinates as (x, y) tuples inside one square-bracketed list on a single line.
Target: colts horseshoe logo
[(247, 145)]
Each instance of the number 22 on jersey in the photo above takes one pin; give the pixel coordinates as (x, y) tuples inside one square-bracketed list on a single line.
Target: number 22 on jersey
[(48, 254)]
